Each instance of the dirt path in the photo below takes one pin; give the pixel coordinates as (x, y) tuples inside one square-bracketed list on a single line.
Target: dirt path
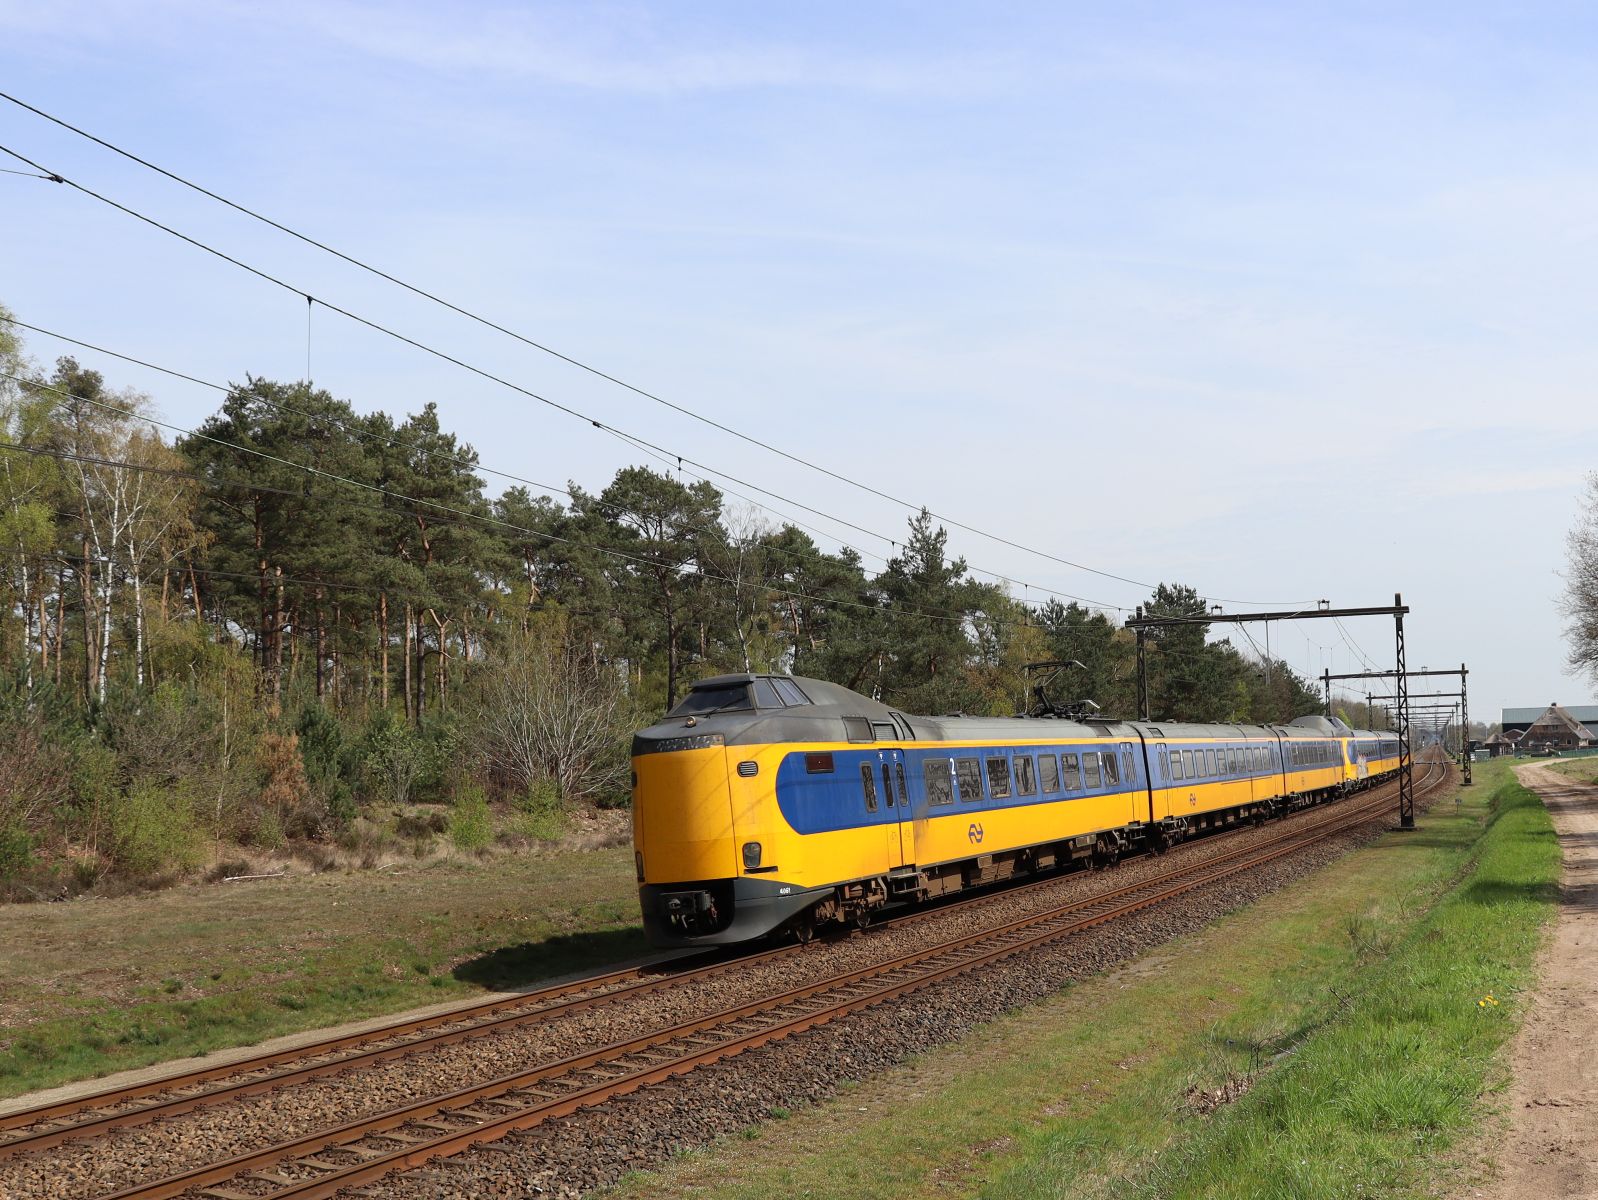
[(1552, 1147)]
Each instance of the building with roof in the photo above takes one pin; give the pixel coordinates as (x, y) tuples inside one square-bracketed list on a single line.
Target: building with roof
[(1499, 743), (1552, 728)]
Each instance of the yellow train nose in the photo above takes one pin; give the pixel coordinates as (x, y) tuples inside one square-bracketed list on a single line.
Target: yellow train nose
[(682, 814)]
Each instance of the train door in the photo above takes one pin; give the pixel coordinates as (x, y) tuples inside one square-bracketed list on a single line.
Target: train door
[(1162, 779), (901, 822), (1132, 778)]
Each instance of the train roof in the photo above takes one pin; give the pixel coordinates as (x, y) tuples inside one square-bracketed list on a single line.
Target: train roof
[(758, 707), (1325, 726)]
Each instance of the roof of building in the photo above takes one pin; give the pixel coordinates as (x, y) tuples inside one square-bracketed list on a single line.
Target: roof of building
[(1525, 716), (1555, 719)]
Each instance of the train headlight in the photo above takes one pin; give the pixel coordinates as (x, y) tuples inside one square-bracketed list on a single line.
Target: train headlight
[(751, 855)]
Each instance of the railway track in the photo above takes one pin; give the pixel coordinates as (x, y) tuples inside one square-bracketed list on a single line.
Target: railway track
[(358, 1153), (47, 1125), (95, 1113)]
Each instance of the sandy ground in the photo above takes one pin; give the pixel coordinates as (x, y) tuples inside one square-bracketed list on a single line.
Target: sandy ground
[(1552, 1146)]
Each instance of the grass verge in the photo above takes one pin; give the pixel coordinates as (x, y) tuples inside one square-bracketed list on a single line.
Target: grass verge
[(89, 987), (1585, 770), (1331, 1041)]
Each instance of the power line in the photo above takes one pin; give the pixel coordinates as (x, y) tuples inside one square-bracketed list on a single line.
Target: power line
[(252, 486), (679, 570), (422, 292), (1353, 645), (476, 465)]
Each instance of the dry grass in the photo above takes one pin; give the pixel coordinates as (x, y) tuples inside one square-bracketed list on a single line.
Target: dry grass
[(95, 985)]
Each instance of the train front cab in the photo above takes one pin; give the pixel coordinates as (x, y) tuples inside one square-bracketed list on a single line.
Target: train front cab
[(708, 846), (1372, 757), (736, 841)]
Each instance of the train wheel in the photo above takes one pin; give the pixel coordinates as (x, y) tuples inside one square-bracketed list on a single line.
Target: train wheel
[(1106, 853), (804, 929), (862, 918)]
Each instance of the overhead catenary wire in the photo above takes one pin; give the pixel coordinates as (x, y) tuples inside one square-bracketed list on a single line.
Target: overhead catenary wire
[(253, 486), (475, 465), (680, 570), (683, 410)]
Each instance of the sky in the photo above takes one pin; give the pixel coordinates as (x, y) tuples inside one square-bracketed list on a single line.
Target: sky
[(1285, 302)]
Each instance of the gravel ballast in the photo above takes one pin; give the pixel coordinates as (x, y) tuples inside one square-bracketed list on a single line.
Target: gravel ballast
[(595, 1147)]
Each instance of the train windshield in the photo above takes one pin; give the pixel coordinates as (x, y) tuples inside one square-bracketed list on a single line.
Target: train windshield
[(713, 699)]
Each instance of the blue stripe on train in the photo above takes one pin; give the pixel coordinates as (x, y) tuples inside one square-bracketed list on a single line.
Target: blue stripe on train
[(825, 803)]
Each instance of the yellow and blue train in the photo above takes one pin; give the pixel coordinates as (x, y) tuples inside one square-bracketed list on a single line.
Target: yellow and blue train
[(772, 804)]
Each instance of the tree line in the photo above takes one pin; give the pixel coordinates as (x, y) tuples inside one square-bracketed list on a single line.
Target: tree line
[(297, 621)]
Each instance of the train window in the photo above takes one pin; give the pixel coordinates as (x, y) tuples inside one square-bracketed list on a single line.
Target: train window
[(1176, 766), (789, 691), (1209, 764), (999, 778), (1049, 773), (969, 774), (939, 774), (858, 729), (885, 731), (1187, 763), (1073, 773), (868, 784), (1111, 774), (1025, 783), (712, 699), (887, 785), (1090, 770), (766, 695), (904, 792), (1128, 767)]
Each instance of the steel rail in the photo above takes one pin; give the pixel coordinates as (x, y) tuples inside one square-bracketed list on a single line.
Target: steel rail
[(531, 1007), (639, 1059), (257, 1062)]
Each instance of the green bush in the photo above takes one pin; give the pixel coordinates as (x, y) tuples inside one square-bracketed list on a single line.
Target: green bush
[(16, 849), (332, 762), (152, 830), (470, 825), (392, 757), (540, 815)]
